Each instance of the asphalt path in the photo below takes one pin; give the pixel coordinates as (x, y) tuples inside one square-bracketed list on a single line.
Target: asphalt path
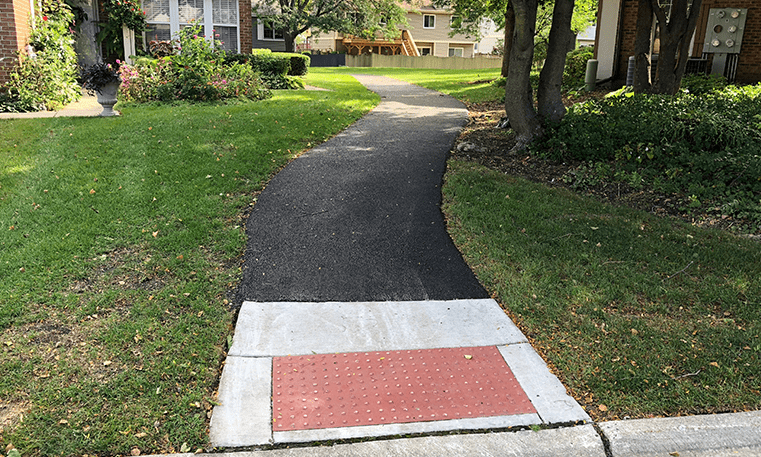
[(358, 218)]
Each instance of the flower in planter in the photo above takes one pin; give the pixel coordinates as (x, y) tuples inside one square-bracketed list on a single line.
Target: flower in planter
[(95, 77)]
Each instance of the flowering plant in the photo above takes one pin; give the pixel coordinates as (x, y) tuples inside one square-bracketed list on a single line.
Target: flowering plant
[(97, 76), (119, 12), (127, 12)]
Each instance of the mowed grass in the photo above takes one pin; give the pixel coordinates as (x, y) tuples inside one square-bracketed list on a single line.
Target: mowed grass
[(120, 246), (472, 86), (638, 316)]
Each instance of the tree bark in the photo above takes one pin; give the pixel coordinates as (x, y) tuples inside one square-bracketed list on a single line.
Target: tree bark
[(642, 44), (519, 103), (562, 40), (675, 35), (289, 38), (508, 44)]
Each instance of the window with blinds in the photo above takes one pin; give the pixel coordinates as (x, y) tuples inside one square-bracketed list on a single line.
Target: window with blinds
[(164, 18)]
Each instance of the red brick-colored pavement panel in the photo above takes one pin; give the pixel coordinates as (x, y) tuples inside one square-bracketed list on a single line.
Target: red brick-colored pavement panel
[(391, 387)]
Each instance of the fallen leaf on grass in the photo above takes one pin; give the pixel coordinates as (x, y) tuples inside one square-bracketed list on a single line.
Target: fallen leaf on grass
[(602, 408), (715, 364)]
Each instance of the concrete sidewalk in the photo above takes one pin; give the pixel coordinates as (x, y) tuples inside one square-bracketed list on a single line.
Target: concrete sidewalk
[(87, 106)]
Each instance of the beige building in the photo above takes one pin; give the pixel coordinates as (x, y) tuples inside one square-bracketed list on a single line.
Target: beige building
[(427, 33)]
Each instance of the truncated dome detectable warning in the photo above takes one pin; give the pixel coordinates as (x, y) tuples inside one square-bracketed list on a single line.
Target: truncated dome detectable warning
[(390, 387)]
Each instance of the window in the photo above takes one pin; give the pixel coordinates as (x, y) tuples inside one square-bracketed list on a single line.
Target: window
[(268, 32), (164, 18), (429, 21), (455, 21), (455, 52), (425, 51)]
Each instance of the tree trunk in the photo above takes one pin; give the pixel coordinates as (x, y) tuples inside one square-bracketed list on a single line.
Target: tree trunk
[(562, 40), (675, 36), (508, 44), (519, 103), (289, 38), (642, 48)]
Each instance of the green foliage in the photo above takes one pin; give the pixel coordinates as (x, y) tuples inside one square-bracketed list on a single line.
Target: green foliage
[(47, 79), (118, 13), (704, 147), (96, 76), (701, 84), (299, 64), (275, 68), (576, 67), (199, 71)]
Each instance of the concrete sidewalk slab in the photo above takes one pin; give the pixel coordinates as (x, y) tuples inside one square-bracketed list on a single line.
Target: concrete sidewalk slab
[(278, 329), (267, 330), (719, 435), (581, 441)]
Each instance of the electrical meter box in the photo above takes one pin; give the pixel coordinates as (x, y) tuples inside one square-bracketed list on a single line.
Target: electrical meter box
[(725, 29)]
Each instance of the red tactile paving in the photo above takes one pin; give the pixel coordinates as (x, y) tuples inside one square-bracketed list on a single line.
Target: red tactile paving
[(388, 387)]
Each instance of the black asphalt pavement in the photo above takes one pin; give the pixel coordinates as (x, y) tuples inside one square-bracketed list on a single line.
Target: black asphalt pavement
[(358, 218)]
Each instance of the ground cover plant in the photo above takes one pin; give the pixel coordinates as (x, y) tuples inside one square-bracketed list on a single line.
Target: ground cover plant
[(705, 148), (120, 250)]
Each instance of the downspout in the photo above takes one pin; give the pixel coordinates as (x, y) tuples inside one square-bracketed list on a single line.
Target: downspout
[(617, 51), (31, 8)]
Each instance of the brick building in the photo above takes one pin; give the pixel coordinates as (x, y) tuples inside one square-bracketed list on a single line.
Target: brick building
[(230, 18), (15, 19), (617, 29)]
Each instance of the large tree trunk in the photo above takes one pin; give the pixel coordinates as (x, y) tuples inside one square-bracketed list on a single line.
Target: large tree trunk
[(519, 100), (675, 35), (642, 47), (562, 40), (508, 45)]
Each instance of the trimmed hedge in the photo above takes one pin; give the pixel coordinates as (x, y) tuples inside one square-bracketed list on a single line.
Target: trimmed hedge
[(275, 67)]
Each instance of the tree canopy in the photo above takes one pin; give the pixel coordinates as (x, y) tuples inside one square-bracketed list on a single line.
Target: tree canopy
[(366, 18)]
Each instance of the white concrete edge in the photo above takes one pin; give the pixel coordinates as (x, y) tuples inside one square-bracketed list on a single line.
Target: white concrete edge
[(709, 435), (362, 431), (244, 415), (546, 392), (580, 441), (296, 328)]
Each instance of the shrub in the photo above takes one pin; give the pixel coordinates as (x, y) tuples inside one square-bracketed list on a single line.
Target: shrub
[(199, 71), (703, 147), (576, 67), (46, 79), (274, 67), (701, 84), (299, 64)]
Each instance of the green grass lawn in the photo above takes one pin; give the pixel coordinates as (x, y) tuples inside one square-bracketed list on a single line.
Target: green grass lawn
[(638, 316), (471, 86), (120, 246)]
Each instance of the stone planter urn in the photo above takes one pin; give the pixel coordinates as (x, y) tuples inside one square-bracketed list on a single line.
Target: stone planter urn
[(107, 98)]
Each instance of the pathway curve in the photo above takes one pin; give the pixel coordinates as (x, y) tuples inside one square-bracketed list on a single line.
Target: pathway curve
[(357, 218)]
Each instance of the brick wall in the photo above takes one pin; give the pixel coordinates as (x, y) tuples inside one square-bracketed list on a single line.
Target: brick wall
[(749, 66), (14, 33), (246, 27)]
